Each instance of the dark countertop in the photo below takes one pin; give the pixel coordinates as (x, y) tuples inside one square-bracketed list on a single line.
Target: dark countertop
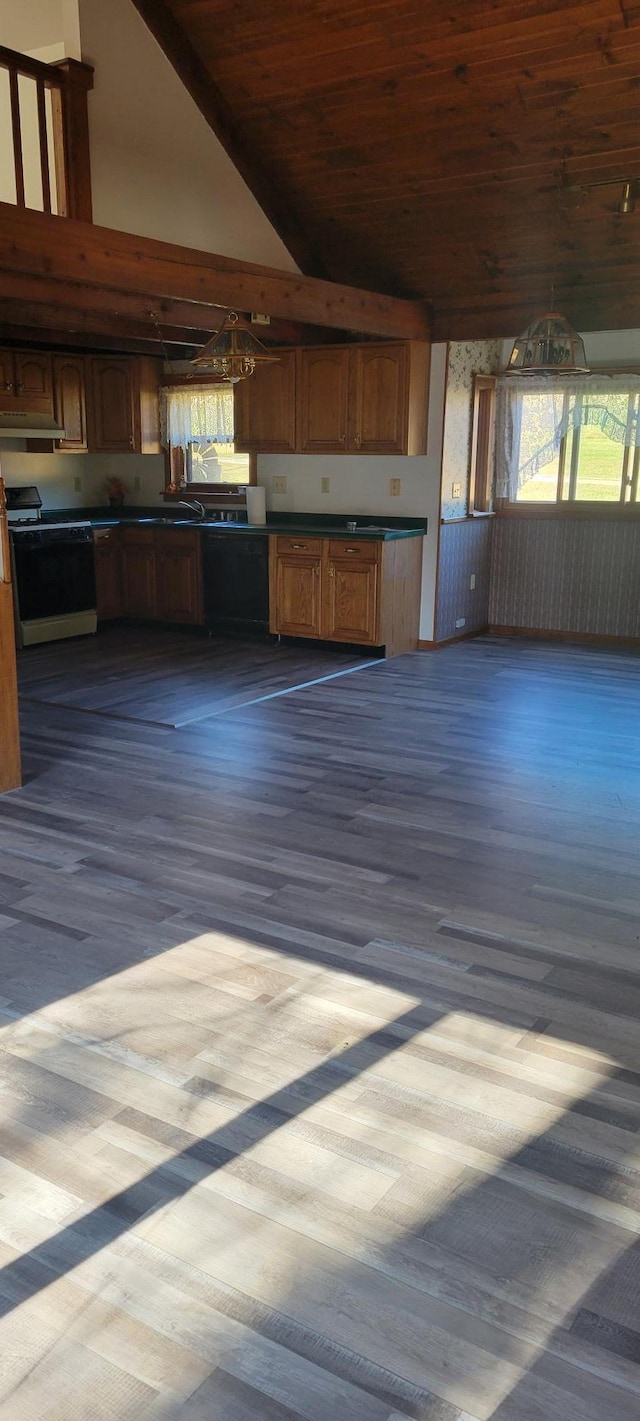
[(304, 524)]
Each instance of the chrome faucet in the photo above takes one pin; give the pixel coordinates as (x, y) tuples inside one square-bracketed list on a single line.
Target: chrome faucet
[(196, 507)]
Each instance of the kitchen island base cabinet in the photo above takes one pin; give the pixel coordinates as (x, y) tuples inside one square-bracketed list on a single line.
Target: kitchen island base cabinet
[(364, 593)]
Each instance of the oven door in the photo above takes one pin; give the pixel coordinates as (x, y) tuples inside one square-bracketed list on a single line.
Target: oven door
[(54, 575)]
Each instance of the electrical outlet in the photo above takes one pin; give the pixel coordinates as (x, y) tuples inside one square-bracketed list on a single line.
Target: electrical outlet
[(395, 487), (325, 485), (77, 484), (472, 581), (280, 483), (455, 490), (461, 622), (136, 484)]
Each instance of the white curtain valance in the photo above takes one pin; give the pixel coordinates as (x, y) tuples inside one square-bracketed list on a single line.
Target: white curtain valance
[(554, 406), (196, 412)]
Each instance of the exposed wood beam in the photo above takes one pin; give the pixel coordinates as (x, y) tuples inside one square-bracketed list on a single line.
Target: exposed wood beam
[(58, 249), (44, 330), (265, 186)]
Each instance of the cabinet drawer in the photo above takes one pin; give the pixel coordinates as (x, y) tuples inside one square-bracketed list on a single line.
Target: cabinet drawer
[(106, 535), (133, 535), (354, 549), (299, 544)]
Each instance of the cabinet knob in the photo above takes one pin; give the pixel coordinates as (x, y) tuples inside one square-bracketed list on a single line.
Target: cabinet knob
[(19, 386), (356, 439), (332, 571), (343, 439), (8, 384)]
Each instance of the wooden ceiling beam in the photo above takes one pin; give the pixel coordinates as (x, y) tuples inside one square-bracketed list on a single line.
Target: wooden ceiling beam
[(262, 182), (61, 250)]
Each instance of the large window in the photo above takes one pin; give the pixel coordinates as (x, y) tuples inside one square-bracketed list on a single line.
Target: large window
[(198, 433), (568, 440)]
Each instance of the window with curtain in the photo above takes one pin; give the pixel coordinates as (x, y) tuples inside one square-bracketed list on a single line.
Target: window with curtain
[(198, 433), (568, 439)]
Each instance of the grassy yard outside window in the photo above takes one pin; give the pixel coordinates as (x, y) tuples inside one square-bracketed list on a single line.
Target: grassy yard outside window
[(568, 441)]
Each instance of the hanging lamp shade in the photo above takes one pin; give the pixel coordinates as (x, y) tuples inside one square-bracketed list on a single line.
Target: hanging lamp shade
[(232, 353), (549, 346)]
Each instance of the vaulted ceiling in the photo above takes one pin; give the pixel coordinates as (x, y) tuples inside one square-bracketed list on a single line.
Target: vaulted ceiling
[(434, 149)]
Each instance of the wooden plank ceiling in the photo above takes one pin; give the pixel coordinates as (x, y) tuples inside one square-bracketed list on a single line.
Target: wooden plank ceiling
[(434, 150)]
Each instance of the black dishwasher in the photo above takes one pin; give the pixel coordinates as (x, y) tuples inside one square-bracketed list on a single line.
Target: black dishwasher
[(235, 571)]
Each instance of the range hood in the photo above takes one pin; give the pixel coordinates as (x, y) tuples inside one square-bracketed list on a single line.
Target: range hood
[(29, 424)]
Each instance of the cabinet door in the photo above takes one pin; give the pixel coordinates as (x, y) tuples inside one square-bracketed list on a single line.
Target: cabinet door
[(112, 424), (350, 603), (264, 408), (69, 402), (379, 399), (33, 377), (139, 595), (7, 373), (323, 398), (108, 573), (297, 596), (179, 583)]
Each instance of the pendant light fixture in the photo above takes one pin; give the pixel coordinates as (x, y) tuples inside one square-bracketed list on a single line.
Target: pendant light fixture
[(549, 346), (232, 353)]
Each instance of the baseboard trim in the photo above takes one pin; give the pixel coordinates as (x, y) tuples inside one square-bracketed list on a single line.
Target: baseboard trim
[(549, 634), (450, 640)]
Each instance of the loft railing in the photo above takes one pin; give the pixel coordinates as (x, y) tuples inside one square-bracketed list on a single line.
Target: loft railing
[(44, 134)]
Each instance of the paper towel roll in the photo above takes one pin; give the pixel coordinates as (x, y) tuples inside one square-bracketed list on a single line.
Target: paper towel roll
[(256, 504)]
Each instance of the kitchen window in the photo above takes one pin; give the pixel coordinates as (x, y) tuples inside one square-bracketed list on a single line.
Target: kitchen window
[(568, 441), (198, 434)]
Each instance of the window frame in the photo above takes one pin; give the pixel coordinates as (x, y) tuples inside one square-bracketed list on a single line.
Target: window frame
[(175, 457), (483, 446), (581, 508)]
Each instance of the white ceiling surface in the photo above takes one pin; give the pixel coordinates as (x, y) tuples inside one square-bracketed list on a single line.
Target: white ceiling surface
[(38, 26)]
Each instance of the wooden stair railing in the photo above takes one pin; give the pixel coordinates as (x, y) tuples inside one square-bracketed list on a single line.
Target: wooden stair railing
[(48, 106)]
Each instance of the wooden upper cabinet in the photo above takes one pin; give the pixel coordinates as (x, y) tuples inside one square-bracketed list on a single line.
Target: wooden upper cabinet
[(33, 375), (25, 375), (379, 399), (265, 408), (7, 372), (323, 399), (113, 424), (69, 402)]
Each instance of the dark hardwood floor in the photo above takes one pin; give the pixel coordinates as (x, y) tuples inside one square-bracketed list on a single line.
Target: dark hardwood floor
[(319, 1066), (171, 678)]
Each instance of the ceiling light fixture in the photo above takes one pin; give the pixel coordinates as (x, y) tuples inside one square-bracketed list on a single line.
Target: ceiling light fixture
[(549, 346), (232, 353)]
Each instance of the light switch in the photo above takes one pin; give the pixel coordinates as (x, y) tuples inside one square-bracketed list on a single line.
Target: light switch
[(325, 484), (472, 581), (77, 484), (280, 483), (455, 490), (395, 487)]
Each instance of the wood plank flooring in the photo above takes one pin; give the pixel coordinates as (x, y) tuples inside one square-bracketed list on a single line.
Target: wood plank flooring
[(171, 678), (319, 1066)]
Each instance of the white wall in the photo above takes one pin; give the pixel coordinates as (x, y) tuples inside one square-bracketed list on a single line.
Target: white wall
[(56, 475), (27, 25), (157, 168)]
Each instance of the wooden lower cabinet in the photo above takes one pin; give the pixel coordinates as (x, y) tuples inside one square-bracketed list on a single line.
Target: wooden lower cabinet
[(178, 576), (108, 564), (351, 602), (366, 593), (139, 588), (297, 595), (147, 573)]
